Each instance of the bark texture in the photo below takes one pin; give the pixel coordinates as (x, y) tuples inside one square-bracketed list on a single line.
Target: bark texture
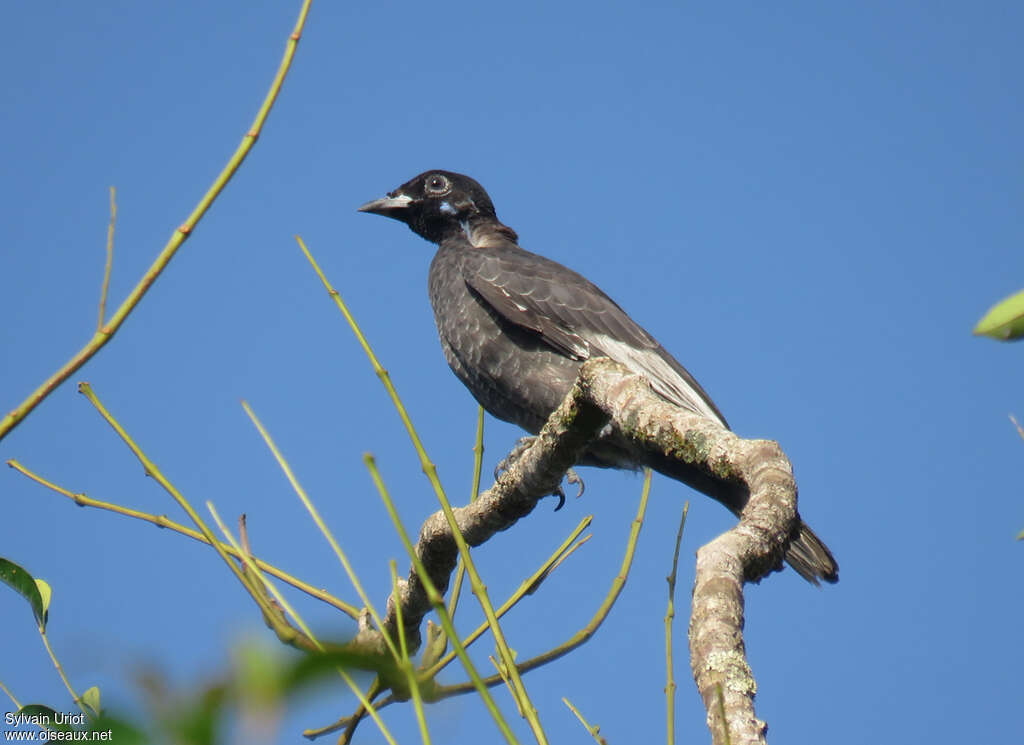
[(604, 392)]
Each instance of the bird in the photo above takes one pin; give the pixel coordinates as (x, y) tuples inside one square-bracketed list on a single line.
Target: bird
[(515, 327)]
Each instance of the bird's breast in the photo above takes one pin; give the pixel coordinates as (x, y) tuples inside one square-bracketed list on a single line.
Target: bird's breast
[(512, 373)]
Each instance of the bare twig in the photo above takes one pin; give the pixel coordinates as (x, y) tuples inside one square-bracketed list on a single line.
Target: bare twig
[(593, 729), (162, 521), (110, 259), (670, 615), (582, 636), (107, 331), (533, 476)]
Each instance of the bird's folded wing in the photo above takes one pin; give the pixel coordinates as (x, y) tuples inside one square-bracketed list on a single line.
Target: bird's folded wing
[(577, 319)]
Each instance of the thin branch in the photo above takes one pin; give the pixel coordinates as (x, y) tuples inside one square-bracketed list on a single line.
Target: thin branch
[(153, 471), (533, 476), (110, 258), (162, 521), (670, 614), (279, 623), (594, 730), (407, 668), (106, 333), (583, 635), (754, 548), (478, 461), (314, 513), (580, 637), (435, 599), (527, 587), (10, 696), (63, 676), (429, 595), (430, 666)]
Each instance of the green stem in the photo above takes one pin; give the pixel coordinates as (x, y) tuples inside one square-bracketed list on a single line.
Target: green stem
[(106, 333)]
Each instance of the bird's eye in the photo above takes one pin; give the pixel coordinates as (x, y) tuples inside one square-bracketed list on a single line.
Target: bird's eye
[(438, 184)]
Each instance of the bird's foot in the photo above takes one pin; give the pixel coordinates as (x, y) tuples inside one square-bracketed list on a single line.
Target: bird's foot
[(574, 478), (515, 454), (521, 447)]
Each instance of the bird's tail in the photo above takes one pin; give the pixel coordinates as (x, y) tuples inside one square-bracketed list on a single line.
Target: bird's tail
[(807, 553), (810, 557)]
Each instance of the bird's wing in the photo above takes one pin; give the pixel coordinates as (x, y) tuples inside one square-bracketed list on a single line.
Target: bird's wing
[(577, 319)]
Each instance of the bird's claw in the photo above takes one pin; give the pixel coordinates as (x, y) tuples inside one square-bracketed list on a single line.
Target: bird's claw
[(520, 447), (574, 478)]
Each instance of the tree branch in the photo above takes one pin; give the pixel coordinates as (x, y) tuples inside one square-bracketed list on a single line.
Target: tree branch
[(108, 328), (534, 475), (606, 391), (748, 552)]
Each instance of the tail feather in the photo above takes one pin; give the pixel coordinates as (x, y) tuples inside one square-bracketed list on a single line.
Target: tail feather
[(807, 553), (810, 557)]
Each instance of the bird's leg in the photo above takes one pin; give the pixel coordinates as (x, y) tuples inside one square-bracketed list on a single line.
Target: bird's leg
[(520, 447)]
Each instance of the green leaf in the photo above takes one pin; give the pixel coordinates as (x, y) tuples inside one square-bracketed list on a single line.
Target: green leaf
[(25, 585), (91, 699), (45, 593), (1005, 320)]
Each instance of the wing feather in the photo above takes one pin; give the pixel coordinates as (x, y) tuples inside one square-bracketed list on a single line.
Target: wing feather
[(577, 319)]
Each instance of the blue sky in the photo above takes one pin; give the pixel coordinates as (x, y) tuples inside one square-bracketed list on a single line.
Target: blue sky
[(809, 204)]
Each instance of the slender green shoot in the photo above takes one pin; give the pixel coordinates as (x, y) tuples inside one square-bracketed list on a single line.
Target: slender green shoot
[(526, 587), (324, 530), (162, 521), (105, 286), (670, 614), (437, 601), (10, 695), (584, 634), (479, 589), (478, 460), (152, 470), (290, 610), (594, 730), (106, 333), (63, 676), (406, 664)]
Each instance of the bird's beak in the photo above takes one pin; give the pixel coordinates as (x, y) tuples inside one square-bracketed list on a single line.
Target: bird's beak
[(389, 206)]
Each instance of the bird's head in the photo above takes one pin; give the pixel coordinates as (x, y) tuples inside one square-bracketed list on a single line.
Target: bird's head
[(435, 204)]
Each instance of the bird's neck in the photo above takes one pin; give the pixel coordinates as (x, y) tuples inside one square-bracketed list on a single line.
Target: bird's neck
[(486, 232)]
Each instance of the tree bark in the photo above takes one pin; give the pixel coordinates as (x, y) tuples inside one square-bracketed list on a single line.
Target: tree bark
[(606, 391)]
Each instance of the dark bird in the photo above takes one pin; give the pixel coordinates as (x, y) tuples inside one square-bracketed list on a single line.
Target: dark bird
[(515, 328)]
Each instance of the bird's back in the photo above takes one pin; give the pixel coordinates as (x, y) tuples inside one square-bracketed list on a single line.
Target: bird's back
[(515, 327)]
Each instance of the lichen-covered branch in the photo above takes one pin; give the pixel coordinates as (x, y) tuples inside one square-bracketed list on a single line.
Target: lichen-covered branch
[(532, 476), (606, 391), (751, 550)]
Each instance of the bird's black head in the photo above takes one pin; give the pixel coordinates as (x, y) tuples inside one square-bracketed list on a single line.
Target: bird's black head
[(435, 204)]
